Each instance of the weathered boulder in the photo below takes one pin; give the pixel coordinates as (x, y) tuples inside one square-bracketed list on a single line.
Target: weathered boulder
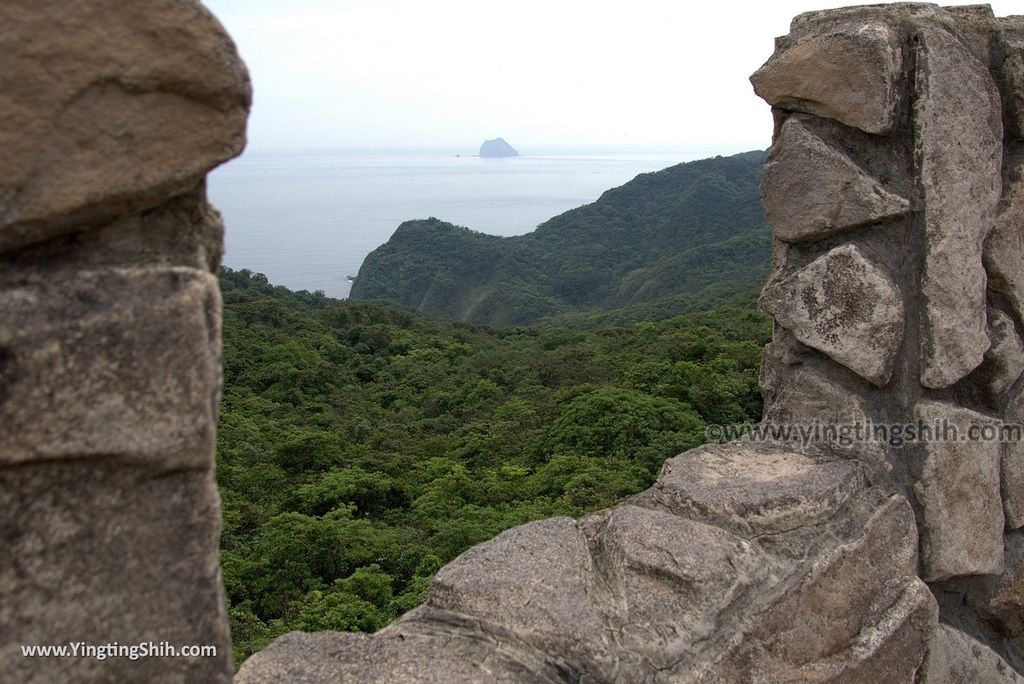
[(752, 490), (847, 73), (845, 306), (109, 108), (851, 627), (415, 650), (812, 190), (977, 29), (958, 492), (536, 581), (956, 100), (674, 577), (955, 658)]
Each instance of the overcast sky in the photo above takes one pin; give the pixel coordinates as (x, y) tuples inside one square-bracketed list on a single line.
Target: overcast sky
[(567, 73)]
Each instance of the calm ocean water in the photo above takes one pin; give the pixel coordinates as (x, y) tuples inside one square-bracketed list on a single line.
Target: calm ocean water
[(307, 219)]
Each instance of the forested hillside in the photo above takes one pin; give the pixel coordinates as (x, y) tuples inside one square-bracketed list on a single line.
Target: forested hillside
[(361, 447), (695, 227)]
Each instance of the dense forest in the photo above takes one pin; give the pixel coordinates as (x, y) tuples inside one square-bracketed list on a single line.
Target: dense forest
[(662, 236), (363, 446)]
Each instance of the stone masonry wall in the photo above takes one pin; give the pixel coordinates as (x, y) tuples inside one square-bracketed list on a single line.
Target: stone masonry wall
[(111, 113), (895, 189)]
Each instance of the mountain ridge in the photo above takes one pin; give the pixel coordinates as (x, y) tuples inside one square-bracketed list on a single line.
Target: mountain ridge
[(665, 233)]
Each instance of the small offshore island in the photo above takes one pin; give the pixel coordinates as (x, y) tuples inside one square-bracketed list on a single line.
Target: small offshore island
[(497, 148)]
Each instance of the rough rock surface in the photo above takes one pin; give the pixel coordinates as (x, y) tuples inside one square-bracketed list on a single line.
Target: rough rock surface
[(109, 111), (996, 601), (123, 360), (955, 658), (848, 73), (1005, 605), (756, 491), (958, 490), (1004, 360), (104, 550), (1013, 466), (834, 417), (111, 114), (1013, 75), (958, 140), (1004, 249), (811, 190), (844, 305)]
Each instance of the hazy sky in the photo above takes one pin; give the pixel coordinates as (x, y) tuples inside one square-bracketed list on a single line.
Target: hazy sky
[(369, 73)]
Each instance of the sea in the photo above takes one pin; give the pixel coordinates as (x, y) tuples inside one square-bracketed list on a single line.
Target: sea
[(307, 219)]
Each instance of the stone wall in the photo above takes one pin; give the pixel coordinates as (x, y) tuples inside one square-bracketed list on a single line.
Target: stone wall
[(111, 113), (895, 189)]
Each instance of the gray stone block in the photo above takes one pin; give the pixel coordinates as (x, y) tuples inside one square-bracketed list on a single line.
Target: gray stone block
[(121, 362), (845, 306), (958, 140), (848, 73), (958, 492), (109, 109), (811, 190), (102, 551)]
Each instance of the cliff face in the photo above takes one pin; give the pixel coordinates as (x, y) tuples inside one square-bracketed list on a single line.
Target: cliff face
[(845, 552), (111, 115)]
